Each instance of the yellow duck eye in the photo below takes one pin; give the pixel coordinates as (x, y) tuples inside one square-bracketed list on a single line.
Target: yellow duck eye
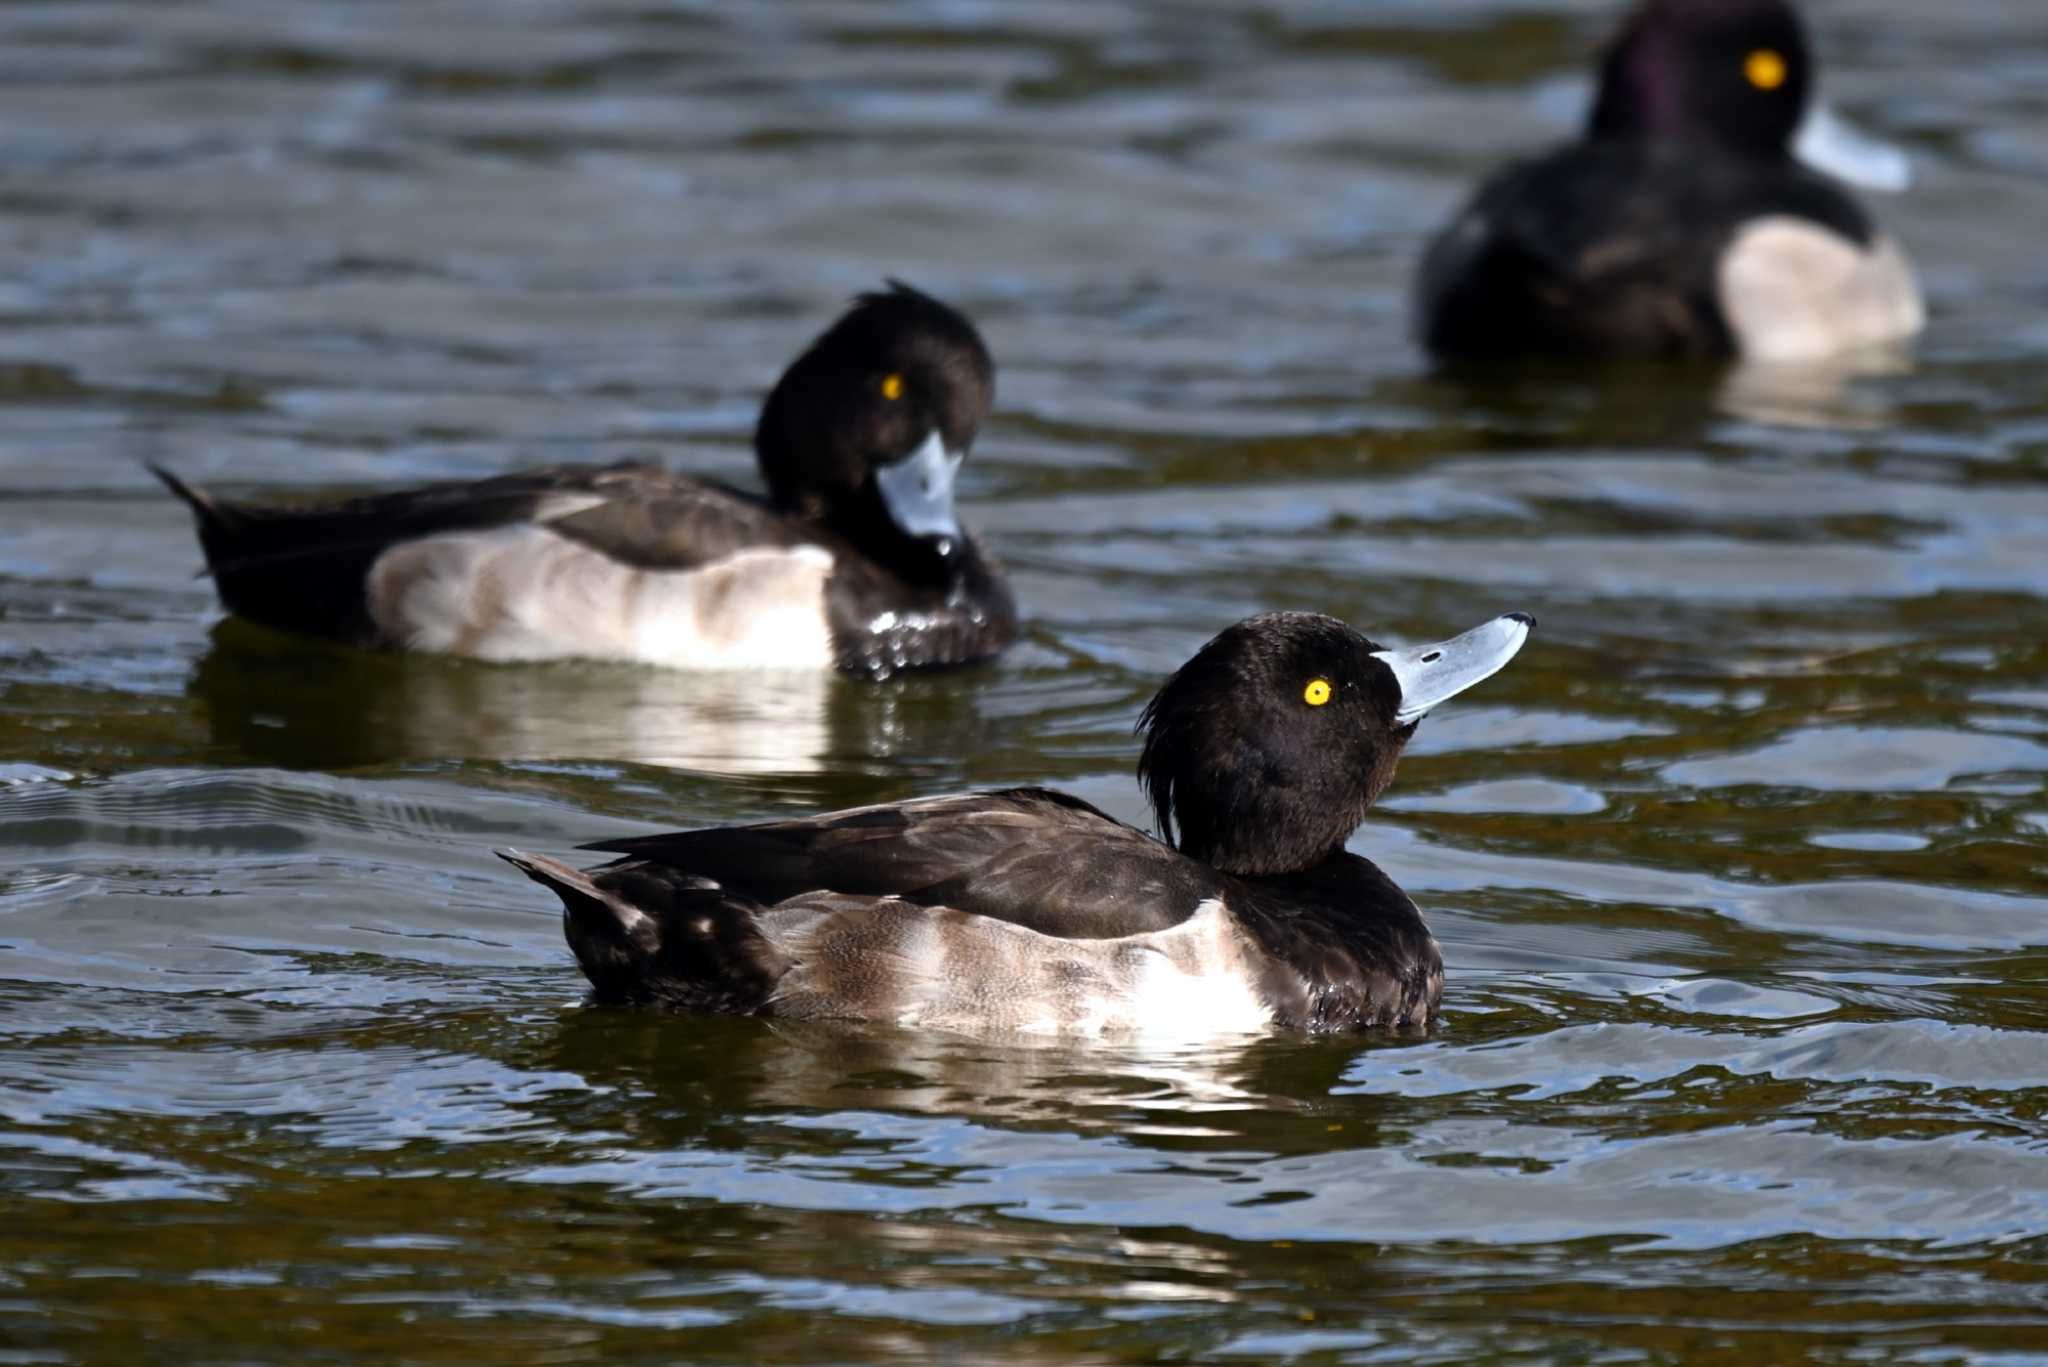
[(1765, 69), (1317, 693), (892, 387)]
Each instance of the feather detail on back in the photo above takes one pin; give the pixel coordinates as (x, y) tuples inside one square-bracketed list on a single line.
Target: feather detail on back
[(1030, 856)]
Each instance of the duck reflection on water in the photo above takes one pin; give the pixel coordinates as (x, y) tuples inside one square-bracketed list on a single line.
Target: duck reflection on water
[(279, 700)]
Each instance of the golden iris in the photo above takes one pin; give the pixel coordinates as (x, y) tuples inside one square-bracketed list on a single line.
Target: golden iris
[(892, 387), (1765, 69), (1317, 693)]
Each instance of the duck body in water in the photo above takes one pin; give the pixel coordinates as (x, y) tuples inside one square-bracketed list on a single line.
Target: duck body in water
[(853, 558), (1030, 910), (1683, 224)]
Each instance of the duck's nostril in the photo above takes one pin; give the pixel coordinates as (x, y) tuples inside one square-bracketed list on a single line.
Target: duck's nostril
[(1432, 657)]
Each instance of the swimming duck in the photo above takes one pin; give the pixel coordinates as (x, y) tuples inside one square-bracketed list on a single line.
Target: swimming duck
[(853, 558), (1030, 910), (1681, 224)]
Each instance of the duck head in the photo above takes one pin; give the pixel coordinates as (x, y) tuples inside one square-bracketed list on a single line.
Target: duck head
[(1736, 72), (866, 430), (1739, 73), (1263, 753)]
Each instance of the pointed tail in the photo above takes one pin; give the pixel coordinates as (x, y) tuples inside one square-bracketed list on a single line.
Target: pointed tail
[(593, 910), (688, 943), (617, 945), (203, 506)]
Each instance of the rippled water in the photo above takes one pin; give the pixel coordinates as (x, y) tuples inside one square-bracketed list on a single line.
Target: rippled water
[(1739, 869)]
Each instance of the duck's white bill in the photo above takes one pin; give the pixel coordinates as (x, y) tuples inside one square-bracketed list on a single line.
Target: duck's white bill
[(918, 490), (1835, 147), (1429, 675)]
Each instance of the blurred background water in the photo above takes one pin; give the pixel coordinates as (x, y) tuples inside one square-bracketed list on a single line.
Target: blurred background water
[(1739, 869)]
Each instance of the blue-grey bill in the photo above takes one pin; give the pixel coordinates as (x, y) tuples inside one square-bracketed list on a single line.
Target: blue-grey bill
[(1835, 147), (1429, 675), (918, 490)]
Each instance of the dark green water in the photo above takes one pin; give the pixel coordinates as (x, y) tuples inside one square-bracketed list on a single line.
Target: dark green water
[(1741, 870)]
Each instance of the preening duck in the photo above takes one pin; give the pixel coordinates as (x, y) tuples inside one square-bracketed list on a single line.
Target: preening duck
[(1030, 910), (854, 557)]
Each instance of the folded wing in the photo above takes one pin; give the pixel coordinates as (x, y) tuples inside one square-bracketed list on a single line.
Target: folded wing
[(308, 568), (1029, 856)]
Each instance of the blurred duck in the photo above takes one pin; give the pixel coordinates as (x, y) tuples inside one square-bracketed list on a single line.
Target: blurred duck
[(1029, 910), (1683, 223), (853, 558)]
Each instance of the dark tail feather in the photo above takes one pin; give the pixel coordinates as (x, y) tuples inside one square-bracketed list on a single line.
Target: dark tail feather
[(618, 946), (656, 936), (595, 911), (282, 568), (210, 515), (198, 500), (298, 533)]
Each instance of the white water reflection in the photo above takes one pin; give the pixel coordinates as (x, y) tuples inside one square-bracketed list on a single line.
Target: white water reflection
[(1826, 395), (771, 722), (304, 703)]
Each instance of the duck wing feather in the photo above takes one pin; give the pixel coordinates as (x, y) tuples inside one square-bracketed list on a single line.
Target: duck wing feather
[(1029, 856), (307, 567)]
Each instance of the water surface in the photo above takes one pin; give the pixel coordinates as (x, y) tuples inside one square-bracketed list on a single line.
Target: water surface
[(1739, 869)]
